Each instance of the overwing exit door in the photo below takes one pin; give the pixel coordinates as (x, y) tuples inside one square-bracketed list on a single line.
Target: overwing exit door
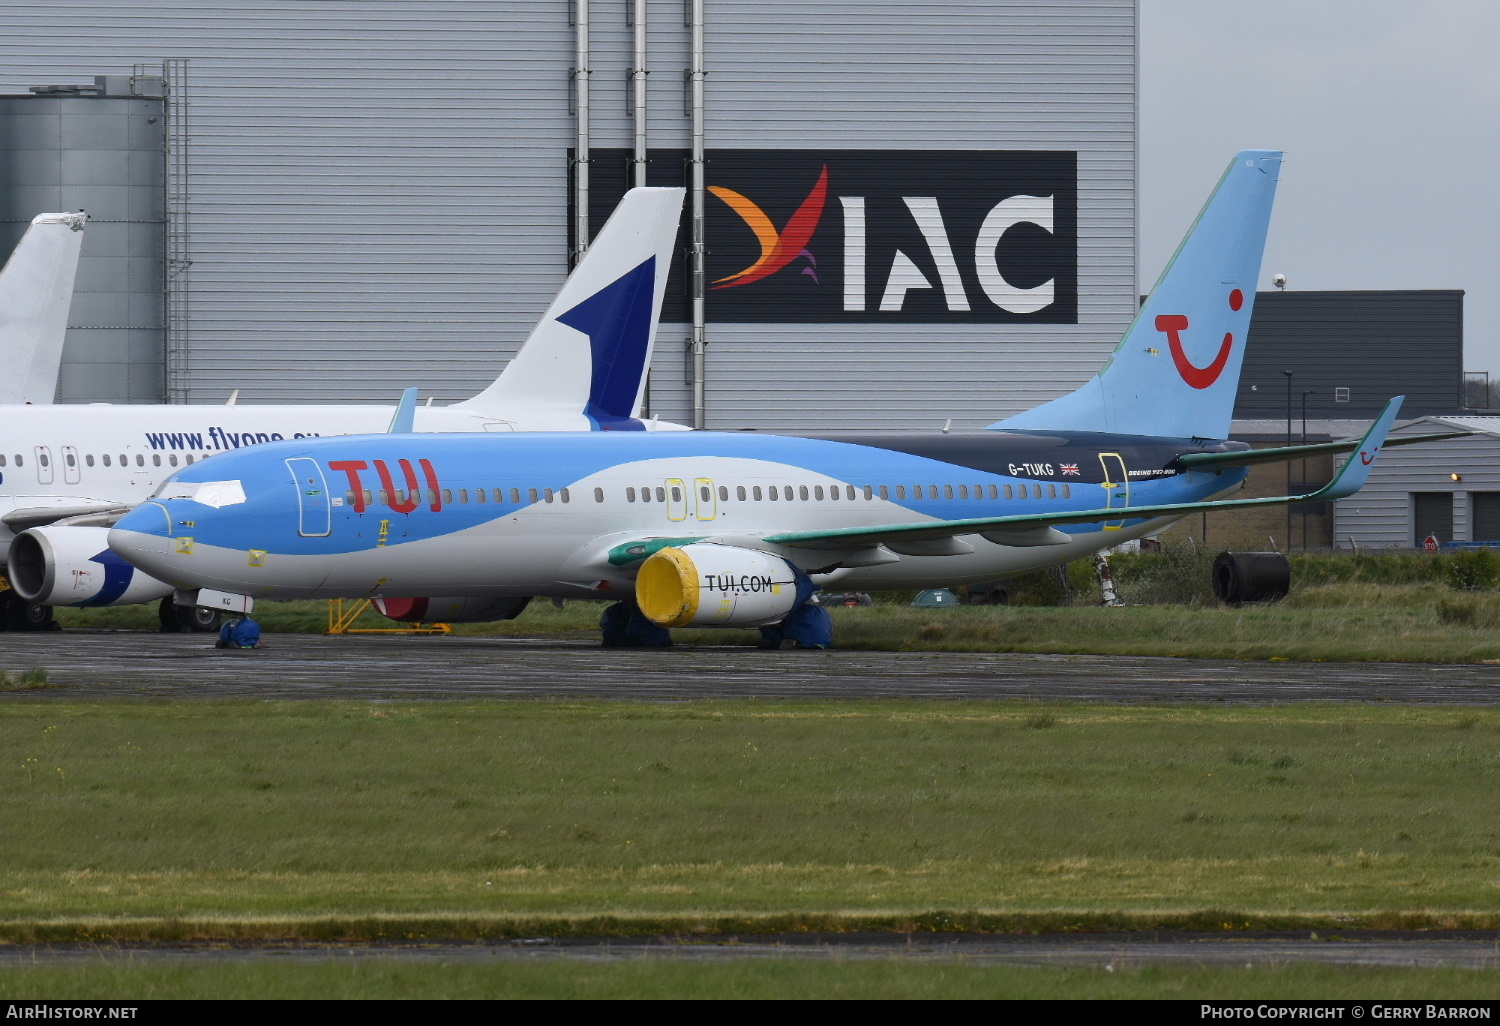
[(677, 500), (71, 472), (44, 471), (705, 504)]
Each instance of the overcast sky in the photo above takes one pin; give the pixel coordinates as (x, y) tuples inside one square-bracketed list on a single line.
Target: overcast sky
[(1389, 114)]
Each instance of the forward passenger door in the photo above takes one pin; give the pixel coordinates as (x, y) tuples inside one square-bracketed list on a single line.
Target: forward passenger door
[(314, 514)]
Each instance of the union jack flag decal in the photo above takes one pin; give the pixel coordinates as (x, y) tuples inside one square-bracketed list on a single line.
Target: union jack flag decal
[(1070, 470)]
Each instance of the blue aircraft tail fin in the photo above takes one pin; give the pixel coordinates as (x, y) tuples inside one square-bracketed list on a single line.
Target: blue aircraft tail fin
[(1177, 368)]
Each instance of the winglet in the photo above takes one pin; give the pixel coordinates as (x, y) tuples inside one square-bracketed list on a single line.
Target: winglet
[(406, 411), (1356, 469)]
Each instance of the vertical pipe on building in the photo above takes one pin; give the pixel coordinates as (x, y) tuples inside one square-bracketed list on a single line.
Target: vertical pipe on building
[(696, 76), (581, 145), (177, 230), (638, 96), (638, 75), (1288, 462)]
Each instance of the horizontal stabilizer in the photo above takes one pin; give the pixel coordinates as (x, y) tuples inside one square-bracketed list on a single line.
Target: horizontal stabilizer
[(1287, 453), (1349, 479)]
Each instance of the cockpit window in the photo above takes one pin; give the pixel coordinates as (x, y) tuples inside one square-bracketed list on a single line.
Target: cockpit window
[(209, 493)]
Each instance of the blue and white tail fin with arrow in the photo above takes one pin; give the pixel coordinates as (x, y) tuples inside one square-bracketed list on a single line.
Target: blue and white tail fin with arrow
[(584, 364), (36, 292), (1177, 368)]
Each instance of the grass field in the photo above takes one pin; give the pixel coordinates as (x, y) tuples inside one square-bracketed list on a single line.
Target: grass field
[(1351, 621), (355, 820), (758, 978)]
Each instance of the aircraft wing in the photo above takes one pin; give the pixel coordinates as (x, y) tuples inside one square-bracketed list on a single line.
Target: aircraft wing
[(1287, 453), (1034, 529)]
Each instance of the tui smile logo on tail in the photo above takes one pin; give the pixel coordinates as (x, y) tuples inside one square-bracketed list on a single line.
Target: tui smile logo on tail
[(1173, 325), (777, 249)]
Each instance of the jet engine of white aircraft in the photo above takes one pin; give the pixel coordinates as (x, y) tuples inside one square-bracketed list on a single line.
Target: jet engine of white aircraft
[(72, 565), (450, 610), (708, 585)]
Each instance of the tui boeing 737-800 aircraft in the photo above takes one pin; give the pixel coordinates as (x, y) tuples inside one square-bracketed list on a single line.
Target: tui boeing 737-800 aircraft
[(737, 529), (67, 471)]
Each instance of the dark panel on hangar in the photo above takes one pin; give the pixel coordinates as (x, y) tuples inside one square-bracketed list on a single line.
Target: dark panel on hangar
[(1353, 351)]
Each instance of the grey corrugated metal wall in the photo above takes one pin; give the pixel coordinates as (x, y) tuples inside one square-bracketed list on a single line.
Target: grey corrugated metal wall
[(1380, 514), (379, 189)]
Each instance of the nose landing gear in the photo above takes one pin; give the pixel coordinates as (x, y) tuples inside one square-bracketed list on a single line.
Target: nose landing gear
[(177, 619)]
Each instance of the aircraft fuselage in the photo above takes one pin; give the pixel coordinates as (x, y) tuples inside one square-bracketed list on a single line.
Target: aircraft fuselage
[(553, 515)]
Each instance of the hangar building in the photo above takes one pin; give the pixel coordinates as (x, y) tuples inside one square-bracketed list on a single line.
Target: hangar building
[(361, 195), (1448, 490)]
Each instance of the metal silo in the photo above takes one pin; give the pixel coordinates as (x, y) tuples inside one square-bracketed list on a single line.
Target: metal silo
[(98, 148)]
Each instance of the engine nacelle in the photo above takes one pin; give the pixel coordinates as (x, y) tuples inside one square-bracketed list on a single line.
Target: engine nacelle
[(73, 566), (449, 610), (712, 585)]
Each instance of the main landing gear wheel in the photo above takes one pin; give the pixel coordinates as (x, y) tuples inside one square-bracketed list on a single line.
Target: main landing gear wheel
[(177, 619), (807, 626), (20, 615), (625, 626)]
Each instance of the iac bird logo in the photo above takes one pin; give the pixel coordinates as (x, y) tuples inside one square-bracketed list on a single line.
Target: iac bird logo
[(777, 249), (1173, 325)]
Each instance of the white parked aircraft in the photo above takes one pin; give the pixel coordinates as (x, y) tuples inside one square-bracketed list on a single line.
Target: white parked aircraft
[(582, 368), (36, 292)]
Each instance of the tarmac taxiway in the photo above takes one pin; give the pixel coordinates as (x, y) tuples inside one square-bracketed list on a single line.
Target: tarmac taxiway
[(98, 663)]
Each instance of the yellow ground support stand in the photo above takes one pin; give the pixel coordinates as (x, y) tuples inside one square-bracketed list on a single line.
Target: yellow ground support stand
[(341, 621)]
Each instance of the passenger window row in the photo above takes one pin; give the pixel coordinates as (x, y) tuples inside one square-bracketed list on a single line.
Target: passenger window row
[(849, 493), (479, 496), (743, 493), (106, 459)]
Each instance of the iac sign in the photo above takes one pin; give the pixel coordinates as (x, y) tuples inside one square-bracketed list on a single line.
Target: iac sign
[(872, 236), (904, 275)]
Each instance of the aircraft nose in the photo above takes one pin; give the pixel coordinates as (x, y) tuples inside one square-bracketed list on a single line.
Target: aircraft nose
[(143, 538)]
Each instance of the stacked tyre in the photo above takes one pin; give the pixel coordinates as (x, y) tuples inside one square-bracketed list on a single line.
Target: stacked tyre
[(1241, 577)]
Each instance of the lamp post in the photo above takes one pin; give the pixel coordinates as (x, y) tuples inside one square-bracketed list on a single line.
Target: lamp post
[(1289, 462), (1305, 393)]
